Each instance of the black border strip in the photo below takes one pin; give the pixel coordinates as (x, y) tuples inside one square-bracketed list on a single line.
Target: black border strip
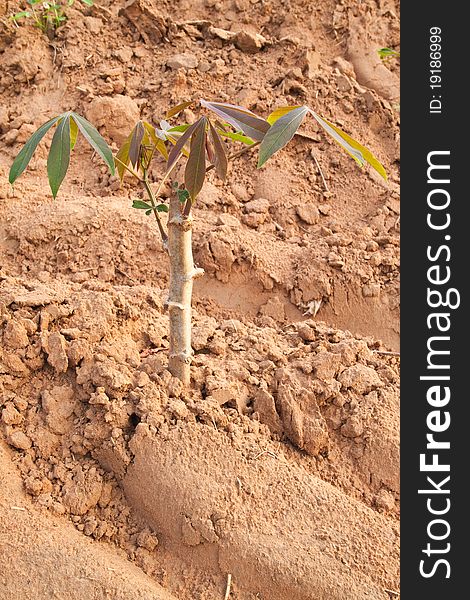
[(424, 132)]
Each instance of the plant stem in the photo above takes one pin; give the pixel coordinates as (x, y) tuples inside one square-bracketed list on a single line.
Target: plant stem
[(153, 202), (182, 275)]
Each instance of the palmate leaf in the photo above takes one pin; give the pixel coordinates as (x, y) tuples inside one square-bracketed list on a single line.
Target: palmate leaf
[(59, 155), (360, 154), (22, 160), (195, 171), (63, 141), (240, 118), (280, 133)]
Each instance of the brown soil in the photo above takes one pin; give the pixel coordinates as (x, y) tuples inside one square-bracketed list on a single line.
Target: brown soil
[(279, 469)]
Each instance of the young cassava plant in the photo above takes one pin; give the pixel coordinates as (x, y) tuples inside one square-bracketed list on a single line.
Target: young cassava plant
[(203, 146)]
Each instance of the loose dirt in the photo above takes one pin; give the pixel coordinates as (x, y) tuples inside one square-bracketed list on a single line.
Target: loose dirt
[(279, 469)]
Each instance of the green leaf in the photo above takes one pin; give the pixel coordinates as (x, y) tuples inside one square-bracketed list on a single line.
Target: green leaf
[(88, 2), (177, 109), (183, 196), (178, 148), (280, 112), (178, 128), (59, 155), (22, 160), (240, 118), (236, 137), (195, 171), (280, 133), (142, 205), (73, 134), (20, 15), (162, 208), (387, 52), (122, 157), (360, 154), (220, 158), (136, 143), (95, 140)]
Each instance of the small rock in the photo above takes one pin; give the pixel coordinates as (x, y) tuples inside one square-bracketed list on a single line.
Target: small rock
[(58, 404), (371, 290), (203, 66), (265, 406), (10, 137), (10, 415), (227, 219), (148, 21), (19, 440), (342, 82), (83, 492), (148, 540), (142, 379), (240, 192), (93, 24), (326, 365), (117, 115), (306, 332), (308, 213), (360, 378), (335, 261), (259, 205), (310, 63), (15, 336), (249, 42), (353, 427), (344, 67), (385, 501), (124, 54), (202, 331), (190, 536), (25, 132), (253, 220), (55, 346), (182, 61)]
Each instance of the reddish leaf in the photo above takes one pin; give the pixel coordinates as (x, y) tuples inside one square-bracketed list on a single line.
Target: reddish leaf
[(240, 118), (220, 159), (135, 146), (178, 148), (195, 172)]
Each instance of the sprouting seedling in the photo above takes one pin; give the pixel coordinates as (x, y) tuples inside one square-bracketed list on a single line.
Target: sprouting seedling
[(203, 145), (386, 53), (47, 16)]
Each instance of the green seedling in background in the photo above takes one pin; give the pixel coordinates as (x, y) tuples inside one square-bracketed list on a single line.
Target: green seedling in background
[(386, 53), (47, 16), (203, 146)]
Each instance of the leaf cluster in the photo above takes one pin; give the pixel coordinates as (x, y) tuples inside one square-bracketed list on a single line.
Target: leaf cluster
[(202, 143)]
